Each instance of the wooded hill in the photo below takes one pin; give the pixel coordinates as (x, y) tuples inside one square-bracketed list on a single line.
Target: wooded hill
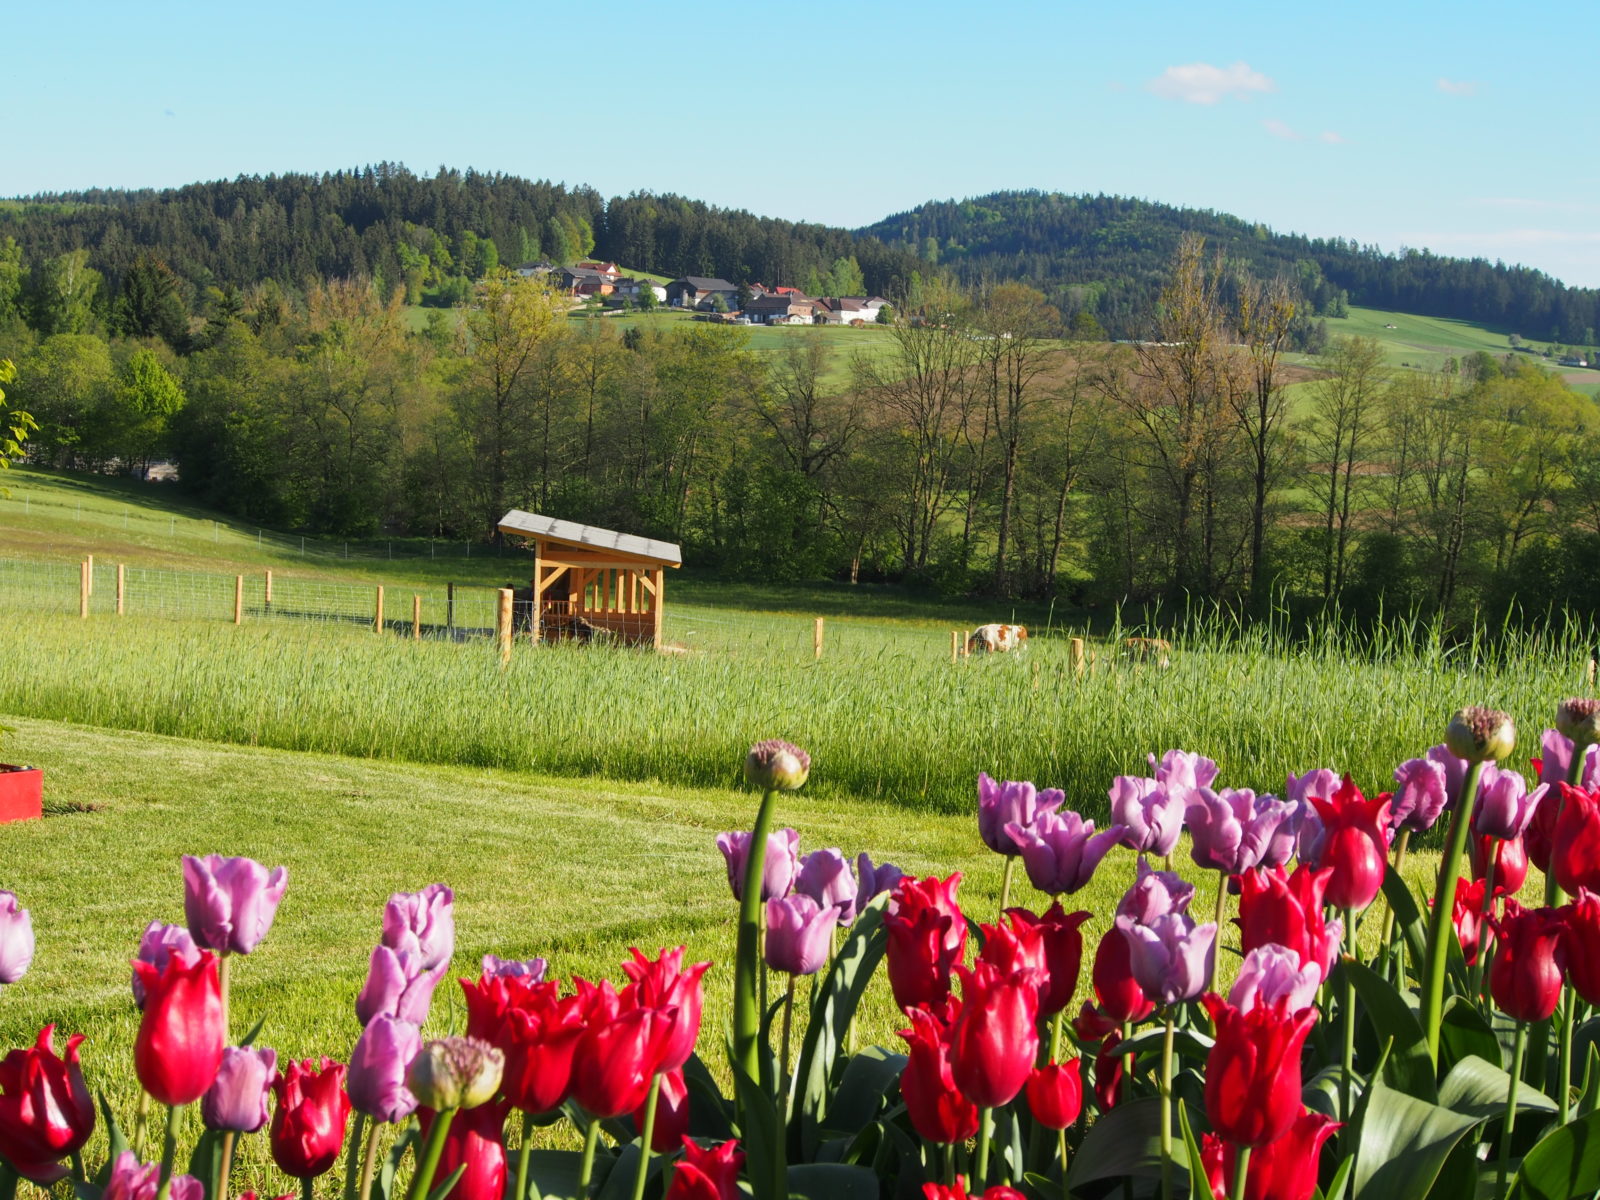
[(1102, 255)]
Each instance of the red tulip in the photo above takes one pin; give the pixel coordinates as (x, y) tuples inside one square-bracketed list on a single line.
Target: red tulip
[(539, 1037), (179, 1046), (1583, 945), (46, 1111), (1541, 831), (927, 937), (619, 1052), (672, 1112), (309, 1124), (1285, 1169), (476, 1141), (1525, 975), (958, 1191), (1355, 843), (1276, 908), (996, 1037), (662, 983), (707, 1174), (938, 1111), (1510, 868), (1108, 1072), (1121, 997), (488, 1001), (1575, 849), (1063, 953), (1055, 1093), (1015, 944), (1468, 917), (1253, 1070)]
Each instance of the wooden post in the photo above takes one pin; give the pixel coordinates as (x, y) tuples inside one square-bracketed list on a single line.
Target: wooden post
[(449, 606), (1077, 656), (416, 618), (816, 640), (1591, 675), (377, 615), (90, 561), (502, 625), (122, 585), (538, 593), (238, 599), (955, 645), (83, 588), (659, 605), (266, 593)]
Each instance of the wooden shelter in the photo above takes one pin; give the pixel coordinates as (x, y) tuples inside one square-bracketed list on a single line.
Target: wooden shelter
[(587, 580)]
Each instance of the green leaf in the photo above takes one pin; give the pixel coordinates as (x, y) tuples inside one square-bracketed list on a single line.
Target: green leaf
[(383, 1185), (555, 1172), (207, 1155), (831, 1013), (255, 1032), (868, 1078), (1341, 1178), (444, 1189), (832, 1181), (1409, 1067), (1186, 1043), (117, 1143), (1404, 1144), (1589, 1100), (1476, 1088), (761, 1135), (710, 1113), (1197, 1167), (1126, 1141), (1463, 1033), (1565, 1163), (1407, 916)]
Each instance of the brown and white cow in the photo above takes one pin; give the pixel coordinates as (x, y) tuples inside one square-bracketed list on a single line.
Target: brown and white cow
[(992, 638), (1148, 650)]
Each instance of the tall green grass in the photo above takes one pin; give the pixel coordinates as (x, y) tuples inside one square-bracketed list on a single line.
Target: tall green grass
[(892, 717)]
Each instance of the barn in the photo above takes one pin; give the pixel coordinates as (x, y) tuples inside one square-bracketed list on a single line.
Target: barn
[(588, 580)]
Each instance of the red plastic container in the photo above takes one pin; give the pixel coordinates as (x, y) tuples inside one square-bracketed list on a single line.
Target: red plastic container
[(21, 793)]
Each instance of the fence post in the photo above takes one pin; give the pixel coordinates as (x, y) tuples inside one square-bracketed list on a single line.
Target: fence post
[(83, 588), (90, 561), (816, 640), (1591, 674), (238, 599), (377, 616), (1077, 656), (502, 625), (450, 606), (416, 618), (122, 583), (266, 593), (955, 645)]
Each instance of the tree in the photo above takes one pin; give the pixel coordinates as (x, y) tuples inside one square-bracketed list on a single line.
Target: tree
[(146, 400), (65, 292), (847, 278), (63, 382), (18, 424), (1341, 427), (743, 295), (151, 303), (1264, 316), (647, 296)]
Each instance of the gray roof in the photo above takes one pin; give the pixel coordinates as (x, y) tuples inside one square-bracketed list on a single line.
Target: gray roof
[(701, 284), (535, 526)]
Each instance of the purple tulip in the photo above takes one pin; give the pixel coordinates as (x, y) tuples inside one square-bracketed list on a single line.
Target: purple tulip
[(1320, 782), (1232, 830), (1061, 850), (1183, 770), (1271, 973), (1455, 773), (510, 968), (1171, 957), (425, 920), (159, 943), (1555, 759), (377, 1080), (1421, 791), (781, 865), (826, 877), (16, 939), (799, 934), (132, 1180), (397, 986), (873, 880), (1154, 894), (1003, 804), (1152, 812), (237, 1097), (1506, 806), (229, 903)]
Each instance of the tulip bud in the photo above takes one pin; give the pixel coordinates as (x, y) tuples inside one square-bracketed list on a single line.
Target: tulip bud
[(1479, 734), (16, 939), (776, 765), (1579, 719), (455, 1072)]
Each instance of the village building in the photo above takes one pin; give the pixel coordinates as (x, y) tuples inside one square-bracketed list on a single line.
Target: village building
[(849, 310), (632, 289), (578, 281), (774, 309), (697, 291)]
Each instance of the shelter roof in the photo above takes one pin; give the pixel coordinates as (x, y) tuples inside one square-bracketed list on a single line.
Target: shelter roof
[(589, 537)]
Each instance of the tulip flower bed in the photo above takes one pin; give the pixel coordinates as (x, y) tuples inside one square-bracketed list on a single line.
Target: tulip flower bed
[(1448, 1051)]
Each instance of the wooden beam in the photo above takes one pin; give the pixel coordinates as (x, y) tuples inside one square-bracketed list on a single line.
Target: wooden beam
[(538, 592), (660, 590)]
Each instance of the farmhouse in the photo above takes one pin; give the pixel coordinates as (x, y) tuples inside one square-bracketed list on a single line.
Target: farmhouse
[(632, 289), (779, 309), (849, 310), (578, 281), (588, 580), (696, 291)]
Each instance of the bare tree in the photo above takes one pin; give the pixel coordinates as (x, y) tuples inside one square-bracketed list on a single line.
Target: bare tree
[(1264, 314), (1342, 424)]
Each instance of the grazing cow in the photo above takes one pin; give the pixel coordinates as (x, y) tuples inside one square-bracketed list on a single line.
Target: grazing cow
[(991, 638), (1148, 650)]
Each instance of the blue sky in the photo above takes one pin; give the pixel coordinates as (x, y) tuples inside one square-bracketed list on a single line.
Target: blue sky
[(1462, 127)]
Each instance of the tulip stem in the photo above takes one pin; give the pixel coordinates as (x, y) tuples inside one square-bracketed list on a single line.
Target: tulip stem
[(219, 1189), (1384, 948), (77, 1167), (1005, 882), (1349, 1031), (747, 980), (428, 1161), (1061, 1137), (351, 1158), (523, 1149), (141, 1125), (591, 1139), (369, 1161), (1222, 900), (980, 1160), (649, 1131), (1569, 1015), (1511, 1108), (783, 1082), (224, 961), (169, 1151), (1241, 1174), (308, 1189), (1166, 1109), (1441, 926)]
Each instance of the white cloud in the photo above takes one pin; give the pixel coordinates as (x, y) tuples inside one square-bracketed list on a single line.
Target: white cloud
[(1202, 83), (1280, 129), (1457, 87), (1332, 138)]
